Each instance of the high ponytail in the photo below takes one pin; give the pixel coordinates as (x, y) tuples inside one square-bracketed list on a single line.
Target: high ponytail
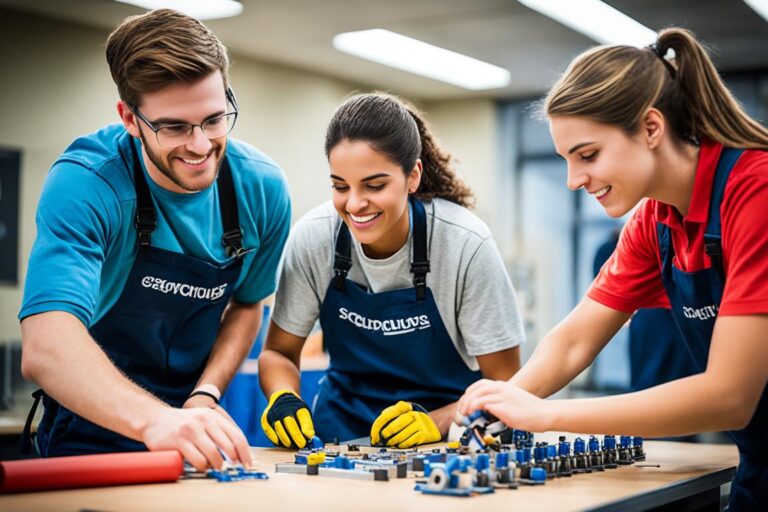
[(397, 130), (602, 84)]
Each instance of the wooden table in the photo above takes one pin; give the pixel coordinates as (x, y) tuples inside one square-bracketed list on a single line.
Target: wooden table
[(693, 473)]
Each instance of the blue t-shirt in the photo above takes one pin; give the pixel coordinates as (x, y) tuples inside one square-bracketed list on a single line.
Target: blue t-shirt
[(86, 242)]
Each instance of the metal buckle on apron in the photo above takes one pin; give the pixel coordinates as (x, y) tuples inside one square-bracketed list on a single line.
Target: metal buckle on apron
[(420, 270), (233, 243), (146, 222), (26, 434)]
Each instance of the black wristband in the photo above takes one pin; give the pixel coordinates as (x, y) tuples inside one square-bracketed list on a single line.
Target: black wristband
[(205, 393)]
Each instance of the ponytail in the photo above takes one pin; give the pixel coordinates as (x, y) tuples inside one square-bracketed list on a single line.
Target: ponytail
[(397, 130), (602, 84)]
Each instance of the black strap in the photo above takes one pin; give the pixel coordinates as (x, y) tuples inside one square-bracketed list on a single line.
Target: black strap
[(232, 239), (420, 262), (712, 237), (26, 434), (342, 260), (204, 393), (146, 217)]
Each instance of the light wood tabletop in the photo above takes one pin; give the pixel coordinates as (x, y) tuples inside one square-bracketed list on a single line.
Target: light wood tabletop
[(684, 470)]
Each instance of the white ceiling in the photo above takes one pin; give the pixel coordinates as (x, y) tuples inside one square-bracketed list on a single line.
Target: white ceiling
[(534, 48)]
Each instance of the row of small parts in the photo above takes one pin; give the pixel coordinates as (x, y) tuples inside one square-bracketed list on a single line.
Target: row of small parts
[(589, 456), (319, 459)]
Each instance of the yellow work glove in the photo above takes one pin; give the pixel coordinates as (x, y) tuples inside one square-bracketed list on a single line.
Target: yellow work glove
[(287, 420), (403, 425)]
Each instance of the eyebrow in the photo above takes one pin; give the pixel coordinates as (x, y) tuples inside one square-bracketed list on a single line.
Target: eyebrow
[(578, 146), (170, 120), (368, 178)]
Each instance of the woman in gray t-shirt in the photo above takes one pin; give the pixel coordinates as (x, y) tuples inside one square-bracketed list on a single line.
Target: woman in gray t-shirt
[(409, 287)]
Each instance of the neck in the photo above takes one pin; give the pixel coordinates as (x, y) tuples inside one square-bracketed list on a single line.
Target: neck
[(392, 241), (676, 166)]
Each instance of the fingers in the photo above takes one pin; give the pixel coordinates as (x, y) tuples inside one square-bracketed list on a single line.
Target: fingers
[(305, 421), (468, 403), (292, 429), (219, 409), (387, 415), (398, 424), (241, 451), (282, 435), (405, 433), (191, 454)]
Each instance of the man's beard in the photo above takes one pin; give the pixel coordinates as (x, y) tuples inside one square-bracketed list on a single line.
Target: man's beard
[(169, 173)]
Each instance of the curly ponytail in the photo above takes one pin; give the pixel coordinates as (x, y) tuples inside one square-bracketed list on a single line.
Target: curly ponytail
[(397, 129)]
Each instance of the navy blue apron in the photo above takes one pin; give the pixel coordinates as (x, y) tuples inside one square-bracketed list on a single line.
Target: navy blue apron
[(383, 347), (161, 329), (695, 299)]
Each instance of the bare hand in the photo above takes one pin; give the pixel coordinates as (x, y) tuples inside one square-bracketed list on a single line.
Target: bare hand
[(198, 433), (511, 404)]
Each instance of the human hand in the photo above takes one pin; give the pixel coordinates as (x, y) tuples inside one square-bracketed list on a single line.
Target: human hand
[(198, 433), (404, 425), (511, 404), (287, 421)]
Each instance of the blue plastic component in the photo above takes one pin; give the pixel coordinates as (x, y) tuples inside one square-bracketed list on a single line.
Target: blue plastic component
[(526, 453), (637, 441), (578, 446), (343, 462), (563, 448), (538, 474), (551, 451), (300, 458), (482, 462), (502, 459), (236, 474), (609, 442), (316, 443), (594, 444), (427, 468), (625, 441), (436, 457), (539, 453), (464, 463), (519, 456)]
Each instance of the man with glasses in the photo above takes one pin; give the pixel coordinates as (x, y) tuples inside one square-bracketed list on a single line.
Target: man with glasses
[(158, 238)]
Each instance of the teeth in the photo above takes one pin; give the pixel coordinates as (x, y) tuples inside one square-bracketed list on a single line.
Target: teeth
[(365, 218), (600, 193), (195, 162)]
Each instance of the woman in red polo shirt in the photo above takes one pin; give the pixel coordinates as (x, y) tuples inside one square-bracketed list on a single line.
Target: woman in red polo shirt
[(636, 128)]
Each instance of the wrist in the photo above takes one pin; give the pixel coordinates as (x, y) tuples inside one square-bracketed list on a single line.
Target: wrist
[(209, 390)]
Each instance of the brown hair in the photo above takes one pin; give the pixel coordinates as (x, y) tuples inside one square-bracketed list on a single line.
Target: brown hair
[(617, 84), (153, 50), (396, 129)]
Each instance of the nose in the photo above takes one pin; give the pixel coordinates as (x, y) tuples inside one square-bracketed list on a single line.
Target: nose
[(576, 179), (198, 143), (356, 201)]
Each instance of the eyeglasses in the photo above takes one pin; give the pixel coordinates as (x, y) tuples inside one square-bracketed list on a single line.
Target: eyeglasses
[(174, 135)]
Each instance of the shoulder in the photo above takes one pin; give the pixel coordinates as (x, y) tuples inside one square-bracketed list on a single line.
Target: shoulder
[(453, 220), (316, 229), (252, 166)]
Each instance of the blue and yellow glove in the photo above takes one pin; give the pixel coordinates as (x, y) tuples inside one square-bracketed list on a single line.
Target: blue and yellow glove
[(403, 425), (287, 420)]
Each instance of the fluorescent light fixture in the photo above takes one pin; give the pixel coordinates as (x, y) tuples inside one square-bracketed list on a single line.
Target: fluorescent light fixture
[(759, 6), (200, 9), (596, 20), (402, 52)]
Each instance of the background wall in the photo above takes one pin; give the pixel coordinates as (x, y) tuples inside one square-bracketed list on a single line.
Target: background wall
[(55, 85)]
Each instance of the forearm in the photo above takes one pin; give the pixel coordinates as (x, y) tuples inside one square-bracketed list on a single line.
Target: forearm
[(59, 354), (279, 363), (443, 417), (240, 325), (685, 406)]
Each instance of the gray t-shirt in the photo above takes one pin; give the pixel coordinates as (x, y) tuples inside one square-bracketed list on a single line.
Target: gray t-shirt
[(468, 280)]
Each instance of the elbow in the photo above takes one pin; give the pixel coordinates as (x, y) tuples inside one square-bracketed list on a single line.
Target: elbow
[(737, 408), (740, 414), (30, 362)]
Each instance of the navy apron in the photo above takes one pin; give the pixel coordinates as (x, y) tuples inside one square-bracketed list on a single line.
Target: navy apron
[(383, 347), (695, 299), (161, 329)]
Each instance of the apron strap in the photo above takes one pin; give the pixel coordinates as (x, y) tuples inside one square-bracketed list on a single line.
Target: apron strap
[(232, 239), (342, 260), (713, 238), (420, 262), (146, 217), (26, 434)]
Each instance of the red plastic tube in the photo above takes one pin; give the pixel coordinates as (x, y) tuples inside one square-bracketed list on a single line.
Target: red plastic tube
[(90, 471)]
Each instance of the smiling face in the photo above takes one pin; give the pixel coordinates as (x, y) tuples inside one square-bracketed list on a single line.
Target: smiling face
[(616, 169), (194, 165), (370, 193)]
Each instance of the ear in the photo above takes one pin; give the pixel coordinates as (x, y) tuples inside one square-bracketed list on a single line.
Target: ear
[(653, 127), (414, 179), (128, 118)]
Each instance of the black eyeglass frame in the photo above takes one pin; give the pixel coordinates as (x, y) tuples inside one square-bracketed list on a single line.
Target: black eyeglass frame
[(230, 94)]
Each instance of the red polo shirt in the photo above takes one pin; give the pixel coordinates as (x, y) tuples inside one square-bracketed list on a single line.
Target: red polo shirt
[(631, 278)]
